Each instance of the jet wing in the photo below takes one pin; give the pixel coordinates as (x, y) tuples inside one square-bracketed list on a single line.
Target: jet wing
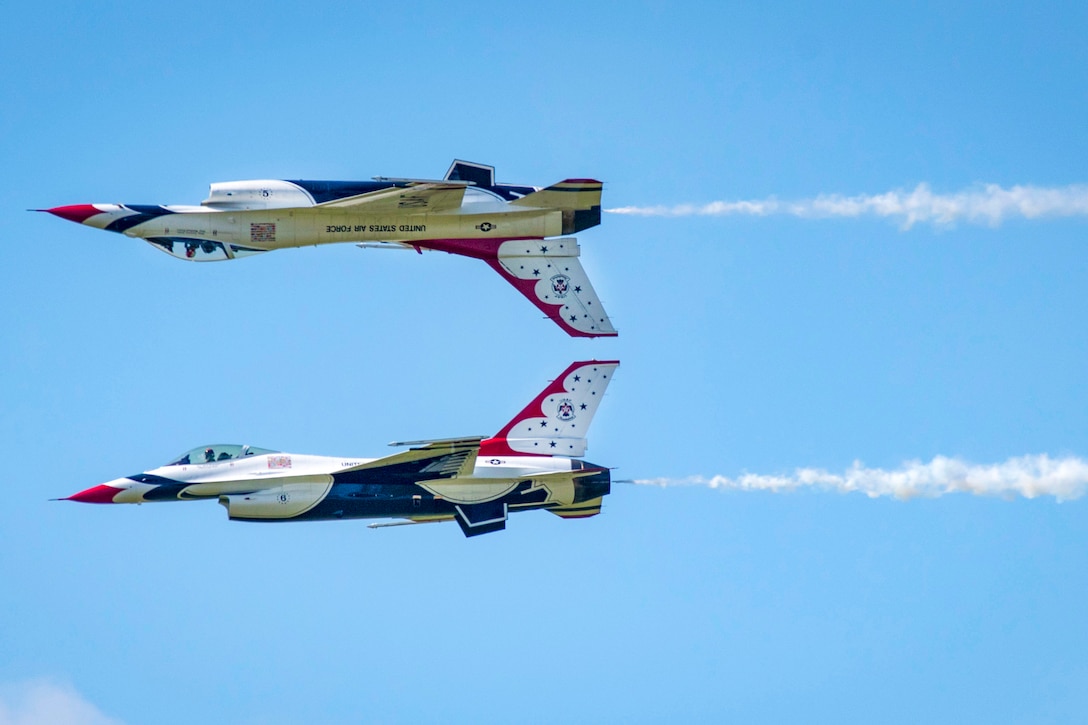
[(433, 459), (426, 197), (548, 272)]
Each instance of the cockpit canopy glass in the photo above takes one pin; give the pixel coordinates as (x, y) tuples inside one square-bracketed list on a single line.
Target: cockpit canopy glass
[(217, 452)]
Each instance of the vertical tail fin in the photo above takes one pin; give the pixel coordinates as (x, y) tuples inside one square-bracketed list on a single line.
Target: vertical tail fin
[(555, 423)]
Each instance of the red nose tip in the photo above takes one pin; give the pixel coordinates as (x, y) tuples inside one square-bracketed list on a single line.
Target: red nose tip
[(77, 213), (97, 494)]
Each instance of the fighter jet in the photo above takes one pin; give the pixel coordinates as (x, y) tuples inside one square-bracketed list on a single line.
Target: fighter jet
[(517, 230), (533, 462)]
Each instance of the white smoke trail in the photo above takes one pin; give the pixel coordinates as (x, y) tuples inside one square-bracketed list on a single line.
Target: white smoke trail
[(1029, 476), (988, 204)]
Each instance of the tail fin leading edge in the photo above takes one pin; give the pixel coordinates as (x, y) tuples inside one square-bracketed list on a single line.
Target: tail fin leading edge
[(555, 423)]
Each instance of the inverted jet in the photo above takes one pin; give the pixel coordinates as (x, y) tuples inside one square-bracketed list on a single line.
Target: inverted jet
[(533, 462), (520, 231)]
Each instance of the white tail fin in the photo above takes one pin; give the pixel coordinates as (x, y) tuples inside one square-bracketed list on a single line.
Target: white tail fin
[(555, 423), (549, 274)]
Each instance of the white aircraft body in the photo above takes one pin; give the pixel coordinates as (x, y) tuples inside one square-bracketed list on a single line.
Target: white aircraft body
[(532, 463), (518, 230)]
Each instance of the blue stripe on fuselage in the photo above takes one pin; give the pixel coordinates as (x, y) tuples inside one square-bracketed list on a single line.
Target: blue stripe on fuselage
[(166, 489), (323, 191), (376, 500), (143, 213)]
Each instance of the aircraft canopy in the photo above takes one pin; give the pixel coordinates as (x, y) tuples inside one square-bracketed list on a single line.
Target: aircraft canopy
[(217, 452)]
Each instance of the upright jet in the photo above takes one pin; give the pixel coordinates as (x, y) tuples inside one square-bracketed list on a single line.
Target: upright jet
[(517, 230), (532, 463)]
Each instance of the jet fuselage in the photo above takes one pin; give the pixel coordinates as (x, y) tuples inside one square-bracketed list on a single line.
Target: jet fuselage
[(515, 229), (201, 234), (530, 463), (274, 486)]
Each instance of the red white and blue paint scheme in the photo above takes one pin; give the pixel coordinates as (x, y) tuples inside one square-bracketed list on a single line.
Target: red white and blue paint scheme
[(518, 230), (532, 463)]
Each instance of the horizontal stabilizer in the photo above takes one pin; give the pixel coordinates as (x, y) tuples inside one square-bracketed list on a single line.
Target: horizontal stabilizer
[(569, 194), (582, 510), (481, 518), (578, 199)]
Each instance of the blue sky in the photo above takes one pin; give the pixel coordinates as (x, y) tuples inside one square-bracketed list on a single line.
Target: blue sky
[(749, 344)]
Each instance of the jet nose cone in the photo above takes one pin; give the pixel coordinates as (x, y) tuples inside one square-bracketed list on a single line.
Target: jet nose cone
[(77, 213), (96, 494)]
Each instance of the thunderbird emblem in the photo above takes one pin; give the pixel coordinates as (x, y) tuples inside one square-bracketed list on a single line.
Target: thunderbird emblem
[(560, 285)]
